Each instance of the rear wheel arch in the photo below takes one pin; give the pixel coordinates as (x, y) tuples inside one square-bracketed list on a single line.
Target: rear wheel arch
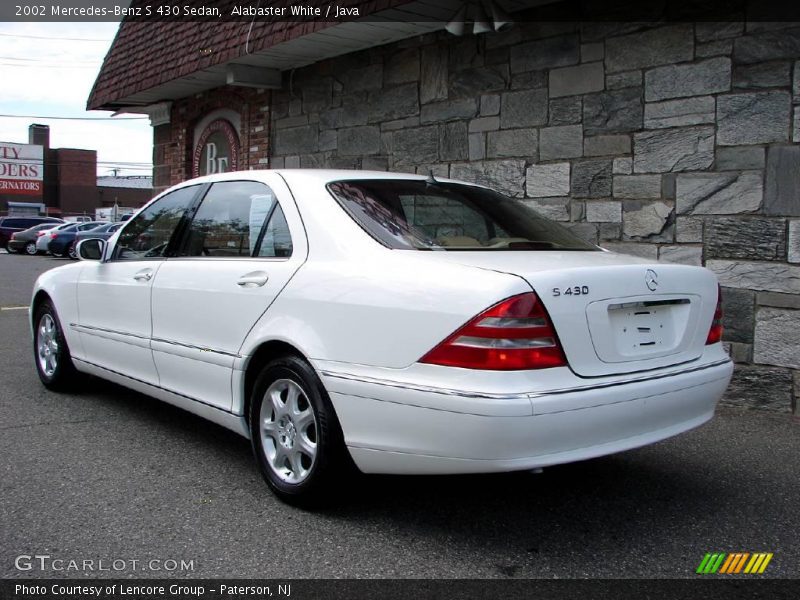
[(305, 473), (264, 354)]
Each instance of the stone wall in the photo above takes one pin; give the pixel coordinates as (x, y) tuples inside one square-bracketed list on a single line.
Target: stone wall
[(675, 142)]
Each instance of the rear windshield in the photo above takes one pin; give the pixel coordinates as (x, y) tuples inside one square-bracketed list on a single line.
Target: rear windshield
[(418, 215)]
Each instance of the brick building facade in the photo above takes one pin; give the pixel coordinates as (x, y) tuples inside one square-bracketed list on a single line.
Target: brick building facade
[(70, 185), (675, 141)]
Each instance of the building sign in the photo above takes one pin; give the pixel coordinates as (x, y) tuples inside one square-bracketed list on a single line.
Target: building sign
[(217, 149), (21, 169)]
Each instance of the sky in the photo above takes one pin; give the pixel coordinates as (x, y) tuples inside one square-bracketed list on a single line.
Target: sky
[(47, 70)]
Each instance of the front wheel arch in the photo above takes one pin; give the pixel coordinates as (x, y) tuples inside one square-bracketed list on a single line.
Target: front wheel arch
[(40, 297), (49, 342)]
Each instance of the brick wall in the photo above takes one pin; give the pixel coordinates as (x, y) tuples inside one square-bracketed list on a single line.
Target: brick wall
[(172, 142), (674, 142), (76, 180)]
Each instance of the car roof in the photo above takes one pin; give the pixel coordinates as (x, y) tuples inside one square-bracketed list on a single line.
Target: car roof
[(321, 176), (39, 218)]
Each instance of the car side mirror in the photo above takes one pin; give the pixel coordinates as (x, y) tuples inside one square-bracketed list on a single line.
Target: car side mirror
[(92, 249)]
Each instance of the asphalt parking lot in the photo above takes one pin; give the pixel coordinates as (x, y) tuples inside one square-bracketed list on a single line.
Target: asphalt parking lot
[(108, 474)]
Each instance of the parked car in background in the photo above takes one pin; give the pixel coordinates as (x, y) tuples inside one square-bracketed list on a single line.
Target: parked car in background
[(25, 241), (44, 236), (62, 242), (399, 323), (103, 232), (9, 225)]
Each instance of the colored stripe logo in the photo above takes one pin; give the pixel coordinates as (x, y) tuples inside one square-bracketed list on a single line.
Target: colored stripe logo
[(734, 563)]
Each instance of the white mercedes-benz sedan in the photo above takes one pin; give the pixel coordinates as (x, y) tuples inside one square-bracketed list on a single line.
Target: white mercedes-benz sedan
[(398, 323)]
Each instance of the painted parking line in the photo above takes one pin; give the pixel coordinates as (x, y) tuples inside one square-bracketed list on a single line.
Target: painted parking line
[(13, 308)]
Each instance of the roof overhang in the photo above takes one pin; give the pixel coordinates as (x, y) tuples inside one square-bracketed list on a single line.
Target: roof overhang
[(263, 68)]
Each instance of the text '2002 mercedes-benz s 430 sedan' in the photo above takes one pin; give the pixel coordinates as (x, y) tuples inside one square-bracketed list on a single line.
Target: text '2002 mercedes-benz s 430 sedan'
[(399, 323)]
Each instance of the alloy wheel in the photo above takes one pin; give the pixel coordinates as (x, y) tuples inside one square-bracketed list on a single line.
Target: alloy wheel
[(47, 349), (30, 248), (288, 431)]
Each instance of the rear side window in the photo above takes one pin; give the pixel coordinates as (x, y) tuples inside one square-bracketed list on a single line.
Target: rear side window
[(13, 223), (238, 219), (149, 233), (417, 215), (277, 241)]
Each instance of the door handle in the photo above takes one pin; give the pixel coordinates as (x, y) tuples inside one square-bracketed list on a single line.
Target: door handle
[(254, 279), (145, 275)]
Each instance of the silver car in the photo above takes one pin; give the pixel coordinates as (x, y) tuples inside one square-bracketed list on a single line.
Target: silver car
[(44, 236)]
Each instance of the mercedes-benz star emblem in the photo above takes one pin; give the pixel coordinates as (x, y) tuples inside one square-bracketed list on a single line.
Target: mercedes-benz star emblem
[(651, 280)]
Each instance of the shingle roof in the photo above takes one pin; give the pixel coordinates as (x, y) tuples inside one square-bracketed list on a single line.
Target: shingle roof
[(145, 54)]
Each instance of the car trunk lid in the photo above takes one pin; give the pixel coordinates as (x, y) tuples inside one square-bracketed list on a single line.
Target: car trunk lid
[(612, 313)]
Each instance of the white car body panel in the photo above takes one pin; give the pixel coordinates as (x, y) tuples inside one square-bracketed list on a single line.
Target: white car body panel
[(363, 315), (186, 359), (115, 324), (589, 342)]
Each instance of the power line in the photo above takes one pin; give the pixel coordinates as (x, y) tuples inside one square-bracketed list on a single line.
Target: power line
[(73, 161), (76, 118), (109, 165), (47, 37), (45, 66), (36, 60)]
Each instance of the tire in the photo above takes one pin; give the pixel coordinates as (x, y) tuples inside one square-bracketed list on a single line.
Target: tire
[(57, 254), (296, 437), (9, 249), (71, 251), (30, 248), (50, 351)]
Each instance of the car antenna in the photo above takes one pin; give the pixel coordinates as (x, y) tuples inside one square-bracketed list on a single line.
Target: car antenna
[(431, 180)]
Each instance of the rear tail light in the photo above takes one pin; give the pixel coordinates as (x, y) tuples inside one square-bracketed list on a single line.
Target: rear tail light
[(715, 333), (515, 334), (53, 236), (13, 236), (40, 234)]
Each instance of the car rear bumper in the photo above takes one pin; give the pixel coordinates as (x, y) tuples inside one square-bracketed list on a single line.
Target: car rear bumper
[(58, 246), (17, 245), (387, 430)]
